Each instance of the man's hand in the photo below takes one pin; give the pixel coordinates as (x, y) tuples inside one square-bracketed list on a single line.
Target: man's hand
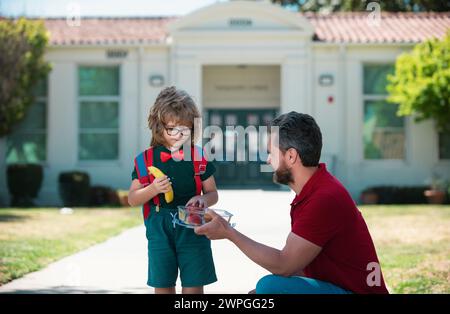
[(290, 261), (217, 228)]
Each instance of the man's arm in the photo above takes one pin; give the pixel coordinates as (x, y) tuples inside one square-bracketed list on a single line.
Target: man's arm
[(291, 260)]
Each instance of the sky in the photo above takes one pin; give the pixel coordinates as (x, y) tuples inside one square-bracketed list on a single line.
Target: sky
[(60, 8)]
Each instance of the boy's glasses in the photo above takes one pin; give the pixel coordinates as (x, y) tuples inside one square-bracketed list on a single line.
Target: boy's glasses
[(172, 131)]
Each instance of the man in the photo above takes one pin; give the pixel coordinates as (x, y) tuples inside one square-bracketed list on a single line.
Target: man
[(329, 248)]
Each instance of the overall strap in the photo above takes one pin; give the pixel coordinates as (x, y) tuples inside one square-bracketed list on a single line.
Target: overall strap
[(200, 163)]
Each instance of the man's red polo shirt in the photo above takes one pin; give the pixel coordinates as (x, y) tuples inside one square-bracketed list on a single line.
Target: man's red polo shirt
[(325, 214)]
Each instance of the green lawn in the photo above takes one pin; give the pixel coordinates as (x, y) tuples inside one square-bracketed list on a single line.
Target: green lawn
[(413, 244), (32, 238)]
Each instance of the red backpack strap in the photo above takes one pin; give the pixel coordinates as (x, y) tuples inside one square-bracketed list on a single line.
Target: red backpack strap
[(141, 163), (148, 163), (200, 163)]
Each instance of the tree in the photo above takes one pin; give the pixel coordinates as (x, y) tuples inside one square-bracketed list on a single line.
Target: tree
[(361, 5), (421, 82), (22, 64)]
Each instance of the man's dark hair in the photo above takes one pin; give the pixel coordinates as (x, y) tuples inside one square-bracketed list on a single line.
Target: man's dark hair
[(300, 131)]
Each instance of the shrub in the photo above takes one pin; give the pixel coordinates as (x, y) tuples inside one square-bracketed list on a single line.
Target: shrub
[(103, 196), (24, 183), (421, 80), (22, 60), (74, 188), (399, 194)]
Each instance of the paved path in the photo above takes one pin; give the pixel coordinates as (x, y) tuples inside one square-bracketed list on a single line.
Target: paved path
[(119, 265)]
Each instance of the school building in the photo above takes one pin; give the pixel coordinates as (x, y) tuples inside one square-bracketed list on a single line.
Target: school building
[(244, 62)]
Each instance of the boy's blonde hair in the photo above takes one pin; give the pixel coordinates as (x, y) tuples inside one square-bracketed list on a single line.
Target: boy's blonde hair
[(175, 105)]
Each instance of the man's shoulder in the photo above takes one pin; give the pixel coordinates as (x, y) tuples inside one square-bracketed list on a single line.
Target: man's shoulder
[(331, 196), (331, 188)]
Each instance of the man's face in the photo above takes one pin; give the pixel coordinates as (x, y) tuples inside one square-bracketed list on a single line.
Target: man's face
[(282, 174)]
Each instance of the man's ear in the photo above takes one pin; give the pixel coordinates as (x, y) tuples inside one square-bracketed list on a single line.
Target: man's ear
[(292, 156)]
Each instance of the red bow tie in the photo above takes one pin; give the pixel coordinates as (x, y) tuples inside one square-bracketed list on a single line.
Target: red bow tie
[(165, 156)]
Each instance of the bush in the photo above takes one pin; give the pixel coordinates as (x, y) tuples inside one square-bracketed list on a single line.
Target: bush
[(103, 196), (399, 194), (24, 183), (74, 188), (22, 60), (420, 83)]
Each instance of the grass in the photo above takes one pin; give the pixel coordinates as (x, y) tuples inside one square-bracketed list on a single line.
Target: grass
[(413, 242), (30, 239), (413, 245)]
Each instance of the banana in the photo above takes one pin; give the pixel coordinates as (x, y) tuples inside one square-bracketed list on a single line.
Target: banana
[(158, 174)]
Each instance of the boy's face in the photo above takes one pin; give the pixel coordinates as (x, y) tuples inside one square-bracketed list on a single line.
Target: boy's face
[(176, 135)]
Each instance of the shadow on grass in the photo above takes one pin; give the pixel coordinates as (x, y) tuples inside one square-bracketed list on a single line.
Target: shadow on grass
[(12, 217)]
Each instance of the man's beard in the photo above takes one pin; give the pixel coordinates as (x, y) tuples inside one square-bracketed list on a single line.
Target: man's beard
[(283, 175)]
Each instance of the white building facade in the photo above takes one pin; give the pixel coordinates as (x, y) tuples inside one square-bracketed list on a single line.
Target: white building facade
[(243, 63)]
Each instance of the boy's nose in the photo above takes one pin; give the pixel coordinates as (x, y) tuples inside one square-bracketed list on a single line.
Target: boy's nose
[(178, 136)]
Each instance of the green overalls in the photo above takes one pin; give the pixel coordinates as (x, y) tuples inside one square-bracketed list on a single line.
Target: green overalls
[(171, 248)]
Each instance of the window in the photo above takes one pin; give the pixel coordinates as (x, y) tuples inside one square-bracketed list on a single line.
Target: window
[(383, 131), (28, 141), (98, 112), (444, 145)]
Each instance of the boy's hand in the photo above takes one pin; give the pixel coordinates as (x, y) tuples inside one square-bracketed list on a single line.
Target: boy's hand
[(161, 185), (197, 201)]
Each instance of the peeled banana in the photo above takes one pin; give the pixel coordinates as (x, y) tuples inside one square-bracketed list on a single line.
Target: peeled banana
[(158, 174)]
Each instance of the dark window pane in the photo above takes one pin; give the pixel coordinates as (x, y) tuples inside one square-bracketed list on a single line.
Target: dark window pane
[(385, 144), (35, 118), (383, 131), (375, 79), (382, 114), (444, 145), (99, 115), (98, 81), (40, 89), (98, 146), (23, 148)]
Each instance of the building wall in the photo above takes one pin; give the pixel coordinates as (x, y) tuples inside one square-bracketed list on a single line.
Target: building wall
[(342, 122), (241, 87), (136, 97), (299, 67)]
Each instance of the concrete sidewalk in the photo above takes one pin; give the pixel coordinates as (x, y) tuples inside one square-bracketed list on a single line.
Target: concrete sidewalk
[(119, 265)]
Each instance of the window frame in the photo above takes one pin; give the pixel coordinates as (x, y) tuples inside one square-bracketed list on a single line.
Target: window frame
[(381, 97), (98, 98)]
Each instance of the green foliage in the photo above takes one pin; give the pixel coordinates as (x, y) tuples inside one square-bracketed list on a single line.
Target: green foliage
[(421, 83), (22, 47), (361, 5)]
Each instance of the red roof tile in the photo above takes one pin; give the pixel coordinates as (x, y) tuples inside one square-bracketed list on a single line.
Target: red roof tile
[(350, 27), (355, 27), (108, 30)]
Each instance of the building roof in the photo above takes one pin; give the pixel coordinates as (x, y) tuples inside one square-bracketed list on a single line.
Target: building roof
[(357, 27), (94, 31), (350, 27)]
